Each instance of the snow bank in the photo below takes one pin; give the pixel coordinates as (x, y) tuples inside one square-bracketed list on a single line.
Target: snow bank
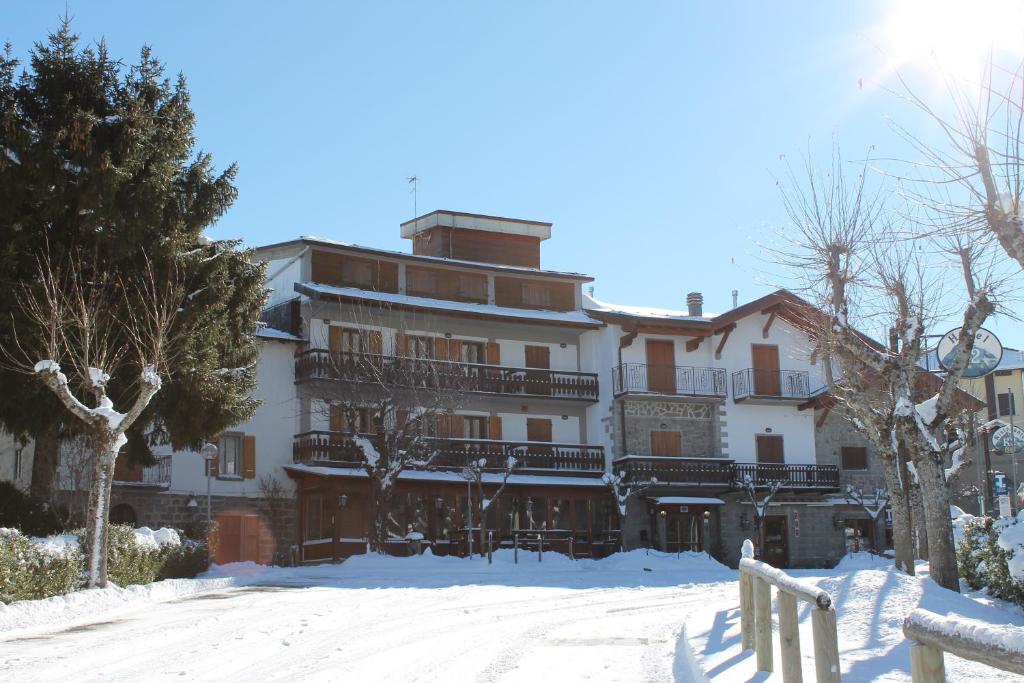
[(864, 560), (61, 545), (1011, 539), (147, 538)]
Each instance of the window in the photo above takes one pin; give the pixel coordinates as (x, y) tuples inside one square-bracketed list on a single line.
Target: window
[(353, 341), (1007, 404), (536, 295), (230, 453), (472, 287), (473, 352), (357, 272), (317, 517), (421, 347), (475, 427), (854, 457), (420, 281)]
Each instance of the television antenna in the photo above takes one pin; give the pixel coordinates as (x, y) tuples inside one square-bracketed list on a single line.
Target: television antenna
[(414, 181)]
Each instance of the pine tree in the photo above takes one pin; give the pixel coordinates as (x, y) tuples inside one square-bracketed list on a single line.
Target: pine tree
[(100, 159)]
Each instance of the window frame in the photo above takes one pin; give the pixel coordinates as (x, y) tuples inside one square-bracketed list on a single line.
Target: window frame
[(239, 459)]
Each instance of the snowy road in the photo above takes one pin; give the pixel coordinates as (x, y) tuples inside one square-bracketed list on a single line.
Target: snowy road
[(336, 626)]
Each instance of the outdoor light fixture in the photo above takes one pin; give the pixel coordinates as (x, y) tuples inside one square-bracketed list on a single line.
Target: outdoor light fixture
[(744, 522), (565, 417), (343, 500), (447, 335), (326, 321), (837, 522), (707, 515), (664, 514), (767, 430), (439, 503), (562, 345), (192, 502)]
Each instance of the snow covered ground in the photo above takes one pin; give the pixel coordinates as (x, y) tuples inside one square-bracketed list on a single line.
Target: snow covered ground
[(426, 618)]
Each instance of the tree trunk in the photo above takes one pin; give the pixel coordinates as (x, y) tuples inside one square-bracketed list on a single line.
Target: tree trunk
[(45, 459), (380, 505), (937, 522), (96, 522), (917, 522), (902, 537)]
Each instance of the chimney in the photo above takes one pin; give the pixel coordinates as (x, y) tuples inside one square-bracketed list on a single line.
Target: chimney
[(695, 304)]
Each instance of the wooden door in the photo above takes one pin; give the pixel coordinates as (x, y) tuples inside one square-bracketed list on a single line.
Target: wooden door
[(661, 366), (229, 539), (666, 443), (538, 381), (766, 370), (250, 538), (776, 547)]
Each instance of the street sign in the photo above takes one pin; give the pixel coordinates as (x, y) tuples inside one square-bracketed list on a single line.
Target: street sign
[(1007, 441), (999, 484), (1004, 506), (985, 355)]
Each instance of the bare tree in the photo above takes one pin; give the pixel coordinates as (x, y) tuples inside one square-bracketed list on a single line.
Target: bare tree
[(392, 402), (91, 329), (874, 504), (760, 502), (856, 265), (474, 472)]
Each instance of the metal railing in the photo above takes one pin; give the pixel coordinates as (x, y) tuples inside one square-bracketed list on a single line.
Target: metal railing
[(756, 581), (753, 383), (424, 373), (154, 475), (335, 448), (668, 379)]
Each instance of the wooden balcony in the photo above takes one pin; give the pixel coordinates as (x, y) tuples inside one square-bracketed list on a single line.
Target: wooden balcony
[(724, 473), (770, 386), (321, 364), (156, 476), (668, 379), (337, 449)]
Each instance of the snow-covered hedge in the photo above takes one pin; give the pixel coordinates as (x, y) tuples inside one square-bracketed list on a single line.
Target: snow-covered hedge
[(32, 568), (991, 556)]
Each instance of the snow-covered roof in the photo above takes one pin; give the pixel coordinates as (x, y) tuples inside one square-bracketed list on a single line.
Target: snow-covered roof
[(686, 500), (565, 317), (592, 304), (328, 242), (420, 475), (274, 333)]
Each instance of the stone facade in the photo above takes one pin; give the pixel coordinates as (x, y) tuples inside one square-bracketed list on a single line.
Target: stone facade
[(697, 422), (836, 432)]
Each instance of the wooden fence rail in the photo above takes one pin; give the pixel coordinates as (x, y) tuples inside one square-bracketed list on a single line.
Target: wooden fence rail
[(997, 645), (756, 581)]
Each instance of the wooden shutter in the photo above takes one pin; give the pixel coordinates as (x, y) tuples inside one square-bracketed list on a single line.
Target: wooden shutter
[(440, 348), (249, 456), (444, 429), (337, 418), (538, 429), (538, 357), (334, 337), (493, 353), (375, 345), (666, 443), (494, 428), (401, 418), (769, 449), (766, 370), (454, 350), (456, 427), (854, 457), (661, 362), (401, 344)]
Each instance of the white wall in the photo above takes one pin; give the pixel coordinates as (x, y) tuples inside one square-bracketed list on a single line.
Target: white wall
[(283, 284), (513, 427), (513, 354), (274, 424)]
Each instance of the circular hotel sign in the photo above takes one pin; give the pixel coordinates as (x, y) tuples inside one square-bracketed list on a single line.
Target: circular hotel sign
[(1008, 441), (985, 355)]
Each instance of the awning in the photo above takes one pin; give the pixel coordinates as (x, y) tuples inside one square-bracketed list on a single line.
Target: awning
[(686, 500)]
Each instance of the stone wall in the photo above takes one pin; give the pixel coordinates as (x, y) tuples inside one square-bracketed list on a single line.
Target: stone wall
[(836, 432), (698, 424)]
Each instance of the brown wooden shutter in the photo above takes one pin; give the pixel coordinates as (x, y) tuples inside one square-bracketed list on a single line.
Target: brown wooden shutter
[(493, 353), (854, 457), (401, 344), (538, 429), (770, 449), (494, 428), (337, 418), (249, 457), (401, 418), (443, 430), (376, 344), (440, 348), (456, 427), (334, 338), (454, 350), (666, 443), (538, 357)]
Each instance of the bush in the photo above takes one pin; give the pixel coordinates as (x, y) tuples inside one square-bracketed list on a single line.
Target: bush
[(128, 561), (30, 569), (985, 558), (32, 516), (186, 561)]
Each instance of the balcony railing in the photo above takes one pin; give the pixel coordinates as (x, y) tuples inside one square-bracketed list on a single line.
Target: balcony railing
[(777, 384), (155, 475), (428, 373), (668, 379), (724, 473), (335, 448), (791, 476)]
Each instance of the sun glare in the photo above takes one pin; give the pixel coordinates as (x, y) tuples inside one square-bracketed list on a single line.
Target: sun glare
[(953, 35)]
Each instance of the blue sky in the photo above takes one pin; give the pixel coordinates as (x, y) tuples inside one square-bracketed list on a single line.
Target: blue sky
[(650, 134)]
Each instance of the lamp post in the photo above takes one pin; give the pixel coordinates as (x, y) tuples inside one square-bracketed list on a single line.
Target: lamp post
[(209, 453)]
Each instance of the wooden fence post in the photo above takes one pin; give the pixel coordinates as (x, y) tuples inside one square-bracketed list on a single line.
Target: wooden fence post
[(826, 645), (746, 610), (789, 637), (763, 623), (926, 664)]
